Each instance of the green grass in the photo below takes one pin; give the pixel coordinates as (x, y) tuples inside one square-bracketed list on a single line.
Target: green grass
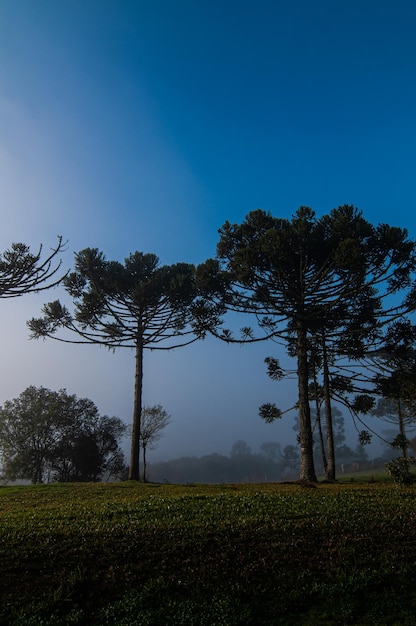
[(125, 553)]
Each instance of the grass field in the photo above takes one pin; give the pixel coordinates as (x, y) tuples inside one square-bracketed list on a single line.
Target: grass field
[(277, 554)]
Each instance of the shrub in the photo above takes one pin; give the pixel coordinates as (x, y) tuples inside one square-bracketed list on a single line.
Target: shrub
[(399, 470)]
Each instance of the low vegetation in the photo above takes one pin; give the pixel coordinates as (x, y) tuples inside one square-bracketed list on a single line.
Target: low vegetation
[(129, 553)]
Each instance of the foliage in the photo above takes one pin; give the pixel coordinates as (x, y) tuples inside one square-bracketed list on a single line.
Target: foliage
[(400, 441), (412, 444), (269, 412), (22, 272), (219, 554), (47, 435), (399, 469), (364, 438), (154, 420)]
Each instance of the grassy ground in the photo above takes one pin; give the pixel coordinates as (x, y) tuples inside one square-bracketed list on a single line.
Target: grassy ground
[(124, 554)]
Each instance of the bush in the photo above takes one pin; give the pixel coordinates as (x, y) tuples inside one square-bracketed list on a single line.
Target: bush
[(399, 470)]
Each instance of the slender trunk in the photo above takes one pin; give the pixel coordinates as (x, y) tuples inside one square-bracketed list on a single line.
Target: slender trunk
[(144, 463), (321, 438), (134, 470), (330, 468), (39, 472), (402, 430), (307, 469), (319, 423)]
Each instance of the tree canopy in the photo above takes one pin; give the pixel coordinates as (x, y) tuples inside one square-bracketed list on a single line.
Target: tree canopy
[(53, 436)]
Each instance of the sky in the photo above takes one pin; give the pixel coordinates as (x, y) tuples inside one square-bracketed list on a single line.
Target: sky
[(145, 125)]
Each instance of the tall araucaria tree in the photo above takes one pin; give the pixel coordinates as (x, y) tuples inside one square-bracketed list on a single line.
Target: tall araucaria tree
[(291, 275), (138, 304)]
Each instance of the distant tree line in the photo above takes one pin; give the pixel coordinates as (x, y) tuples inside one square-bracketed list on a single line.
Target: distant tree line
[(272, 463)]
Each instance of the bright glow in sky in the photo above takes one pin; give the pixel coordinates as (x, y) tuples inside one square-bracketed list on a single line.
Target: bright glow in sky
[(142, 125)]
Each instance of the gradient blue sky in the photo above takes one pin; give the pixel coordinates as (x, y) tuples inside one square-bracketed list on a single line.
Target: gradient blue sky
[(144, 125)]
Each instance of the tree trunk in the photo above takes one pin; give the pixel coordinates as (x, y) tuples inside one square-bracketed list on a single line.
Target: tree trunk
[(307, 469), (144, 463), (134, 469), (321, 438), (330, 468), (319, 424), (402, 430)]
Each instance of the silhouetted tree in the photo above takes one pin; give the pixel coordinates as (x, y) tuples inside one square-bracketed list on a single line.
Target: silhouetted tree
[(138, 304), (48, 435), (153, 421)]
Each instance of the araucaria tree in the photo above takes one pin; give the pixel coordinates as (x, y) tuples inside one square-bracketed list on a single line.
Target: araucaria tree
[(23, 272), (299, 276), (138, 304)]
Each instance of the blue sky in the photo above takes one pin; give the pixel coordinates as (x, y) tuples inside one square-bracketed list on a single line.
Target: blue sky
[(145, 125)]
